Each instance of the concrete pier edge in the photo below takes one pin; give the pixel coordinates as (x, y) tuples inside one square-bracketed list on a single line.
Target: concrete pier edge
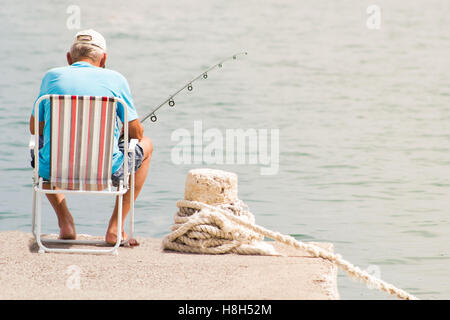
[(148, 272)]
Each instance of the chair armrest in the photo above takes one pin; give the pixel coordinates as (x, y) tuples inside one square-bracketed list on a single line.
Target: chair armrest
[(132, 145), (32, 142)]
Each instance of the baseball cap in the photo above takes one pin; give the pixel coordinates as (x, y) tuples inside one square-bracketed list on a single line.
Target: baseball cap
[(91, 37)]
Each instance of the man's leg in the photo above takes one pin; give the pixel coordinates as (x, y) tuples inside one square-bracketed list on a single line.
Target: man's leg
[(140, 175), (65, 219)]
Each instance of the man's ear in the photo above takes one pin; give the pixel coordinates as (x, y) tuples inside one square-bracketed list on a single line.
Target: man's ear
[(69, 58), (103, 60)]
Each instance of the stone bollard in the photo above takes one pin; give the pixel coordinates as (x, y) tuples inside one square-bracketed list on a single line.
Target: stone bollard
[(211, 186), (200, 225)]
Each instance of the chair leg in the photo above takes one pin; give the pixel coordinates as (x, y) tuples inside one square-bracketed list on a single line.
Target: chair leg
[(132, 195), (119, 218), (131, 221), (39, 220), (33, 213)]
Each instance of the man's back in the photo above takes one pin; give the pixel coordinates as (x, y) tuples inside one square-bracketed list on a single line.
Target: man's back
[(83, 79)]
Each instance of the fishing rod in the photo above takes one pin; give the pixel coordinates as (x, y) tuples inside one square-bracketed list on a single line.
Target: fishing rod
[(189, 86)]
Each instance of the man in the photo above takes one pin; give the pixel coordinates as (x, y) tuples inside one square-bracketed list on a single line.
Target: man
[(86, 75)]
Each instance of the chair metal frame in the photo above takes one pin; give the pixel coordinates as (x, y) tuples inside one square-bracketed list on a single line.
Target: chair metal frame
[(124, 185)]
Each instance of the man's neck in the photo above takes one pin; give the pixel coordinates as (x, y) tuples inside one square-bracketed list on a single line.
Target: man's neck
[(89, 61)]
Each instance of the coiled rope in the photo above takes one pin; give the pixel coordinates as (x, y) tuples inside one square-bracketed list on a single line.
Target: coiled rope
[(202, 228)]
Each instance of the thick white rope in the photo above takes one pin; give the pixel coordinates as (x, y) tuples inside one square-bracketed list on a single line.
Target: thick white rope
[(202, 228), (207, 231)]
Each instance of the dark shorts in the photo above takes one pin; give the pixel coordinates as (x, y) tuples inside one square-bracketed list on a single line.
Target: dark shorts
[(118, 175)]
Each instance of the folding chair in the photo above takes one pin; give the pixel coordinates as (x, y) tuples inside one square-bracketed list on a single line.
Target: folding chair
[(81, 151)]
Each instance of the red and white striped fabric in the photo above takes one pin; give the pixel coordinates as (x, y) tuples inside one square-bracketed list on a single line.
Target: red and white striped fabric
[(82, 137)]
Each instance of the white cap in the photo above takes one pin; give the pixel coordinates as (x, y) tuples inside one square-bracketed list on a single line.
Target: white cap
[(90, 37)]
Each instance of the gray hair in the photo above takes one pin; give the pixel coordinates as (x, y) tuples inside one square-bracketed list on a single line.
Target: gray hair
[(84, 50)]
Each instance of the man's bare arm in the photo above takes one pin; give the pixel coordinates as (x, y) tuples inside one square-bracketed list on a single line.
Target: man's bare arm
[(135, 130), (41, 126)]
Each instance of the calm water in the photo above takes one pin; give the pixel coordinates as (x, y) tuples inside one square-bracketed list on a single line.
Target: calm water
[(363, 118)]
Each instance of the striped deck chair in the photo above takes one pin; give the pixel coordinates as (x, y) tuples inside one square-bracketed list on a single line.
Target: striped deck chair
[(81, 151)]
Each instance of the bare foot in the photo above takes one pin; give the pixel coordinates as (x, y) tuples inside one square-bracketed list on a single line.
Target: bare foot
[(133, 242), (111, 238), (67, 232)]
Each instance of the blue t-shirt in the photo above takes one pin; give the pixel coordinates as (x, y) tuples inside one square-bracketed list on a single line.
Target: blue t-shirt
[(83, 79)]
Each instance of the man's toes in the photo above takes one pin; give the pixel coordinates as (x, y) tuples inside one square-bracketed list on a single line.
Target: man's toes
[(133, 242)]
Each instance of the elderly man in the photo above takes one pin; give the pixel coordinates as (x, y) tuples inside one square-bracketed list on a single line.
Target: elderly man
[(86, 75)]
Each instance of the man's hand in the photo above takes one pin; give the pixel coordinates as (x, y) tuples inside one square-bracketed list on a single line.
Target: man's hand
[(135, 130)]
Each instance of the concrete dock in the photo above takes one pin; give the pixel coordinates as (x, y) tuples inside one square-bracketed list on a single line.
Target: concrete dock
[(148, 272)]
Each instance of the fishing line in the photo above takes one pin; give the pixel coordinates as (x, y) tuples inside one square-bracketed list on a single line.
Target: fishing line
[(204, 75)]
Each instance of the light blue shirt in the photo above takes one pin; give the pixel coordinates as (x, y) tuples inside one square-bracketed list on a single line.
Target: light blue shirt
[(83, 79)]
